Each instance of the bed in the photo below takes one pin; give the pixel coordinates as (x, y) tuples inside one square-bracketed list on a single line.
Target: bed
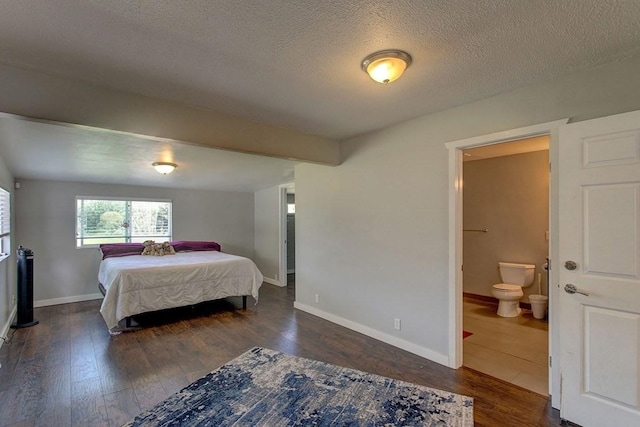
[(134, 284)]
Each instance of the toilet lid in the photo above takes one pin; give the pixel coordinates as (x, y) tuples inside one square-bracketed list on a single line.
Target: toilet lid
[(507, 287)]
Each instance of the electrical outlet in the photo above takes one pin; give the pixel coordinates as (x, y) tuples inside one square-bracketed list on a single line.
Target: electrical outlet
[(317, 298), (396, 324)]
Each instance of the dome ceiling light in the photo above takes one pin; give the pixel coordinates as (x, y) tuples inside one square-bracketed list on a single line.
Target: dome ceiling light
[(386, 66), (164, 167)]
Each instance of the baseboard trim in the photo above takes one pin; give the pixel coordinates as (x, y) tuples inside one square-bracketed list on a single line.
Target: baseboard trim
[(492, 300), (66, 300), (273, 282), (380, 336), (5, 329), (483, 298)]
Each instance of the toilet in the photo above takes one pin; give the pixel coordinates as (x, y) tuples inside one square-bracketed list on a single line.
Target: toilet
[(515, 277)]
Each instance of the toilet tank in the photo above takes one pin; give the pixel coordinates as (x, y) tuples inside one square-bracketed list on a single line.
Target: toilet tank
[(517, 274)]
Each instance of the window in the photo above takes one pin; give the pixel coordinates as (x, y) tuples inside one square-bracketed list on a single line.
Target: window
[(117, 221), (5, 223)]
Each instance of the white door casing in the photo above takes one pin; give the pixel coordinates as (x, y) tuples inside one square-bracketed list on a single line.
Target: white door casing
[(599, 230), (455, 236)]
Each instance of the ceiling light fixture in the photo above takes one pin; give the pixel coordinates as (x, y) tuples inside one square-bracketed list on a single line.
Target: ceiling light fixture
[(386, 66), (164, 167)]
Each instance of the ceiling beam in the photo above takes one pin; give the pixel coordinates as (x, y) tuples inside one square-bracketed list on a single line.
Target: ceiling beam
[(49, 97)]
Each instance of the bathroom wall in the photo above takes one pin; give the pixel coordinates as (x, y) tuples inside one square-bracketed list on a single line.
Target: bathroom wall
[(509, 196)]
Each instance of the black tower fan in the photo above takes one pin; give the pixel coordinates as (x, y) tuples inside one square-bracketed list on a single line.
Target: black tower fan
[(25, 289)]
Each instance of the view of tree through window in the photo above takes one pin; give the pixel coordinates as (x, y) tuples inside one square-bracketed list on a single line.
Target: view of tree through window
[(116, 221)]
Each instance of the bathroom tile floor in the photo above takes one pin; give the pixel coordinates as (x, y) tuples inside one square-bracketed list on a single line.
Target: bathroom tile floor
[(515, 350)]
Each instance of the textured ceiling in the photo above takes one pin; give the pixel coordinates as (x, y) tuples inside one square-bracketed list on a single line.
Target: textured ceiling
[(295, 64), (71, 153), (289, 64)]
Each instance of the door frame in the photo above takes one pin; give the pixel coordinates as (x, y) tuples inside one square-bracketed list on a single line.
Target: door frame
[(282, 229), (455, 237)]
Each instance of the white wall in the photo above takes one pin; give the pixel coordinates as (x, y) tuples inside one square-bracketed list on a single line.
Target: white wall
[(45, 223), (372, 233), (267, 233), (8, 283)]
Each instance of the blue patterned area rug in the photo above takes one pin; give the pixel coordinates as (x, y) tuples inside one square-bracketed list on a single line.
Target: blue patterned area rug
[(267, 388)]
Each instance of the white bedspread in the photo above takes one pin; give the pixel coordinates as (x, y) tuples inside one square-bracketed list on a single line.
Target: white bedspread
[(139, 284)]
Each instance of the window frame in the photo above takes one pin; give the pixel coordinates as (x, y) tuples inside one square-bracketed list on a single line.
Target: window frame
[(128, 236), (5, 224)]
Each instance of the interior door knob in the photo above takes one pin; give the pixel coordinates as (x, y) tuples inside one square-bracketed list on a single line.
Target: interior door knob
[(571, 289), (570, 265)]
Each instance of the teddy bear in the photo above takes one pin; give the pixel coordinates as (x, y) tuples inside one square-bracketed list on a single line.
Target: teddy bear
[(168, 249), (149, 247), (157, 249)]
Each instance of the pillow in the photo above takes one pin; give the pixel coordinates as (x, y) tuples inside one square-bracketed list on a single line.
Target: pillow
[(120, 249), (188, 246)]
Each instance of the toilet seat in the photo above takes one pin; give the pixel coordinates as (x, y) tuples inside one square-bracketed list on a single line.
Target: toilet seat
[(507, 287)]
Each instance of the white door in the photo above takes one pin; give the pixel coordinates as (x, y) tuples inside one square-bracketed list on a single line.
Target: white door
[(599, 175)]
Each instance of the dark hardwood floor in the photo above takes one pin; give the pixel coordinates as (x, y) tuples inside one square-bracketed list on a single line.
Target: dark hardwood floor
[(68, 370)]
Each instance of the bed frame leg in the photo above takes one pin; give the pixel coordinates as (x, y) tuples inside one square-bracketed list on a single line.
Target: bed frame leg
[(244, 302)]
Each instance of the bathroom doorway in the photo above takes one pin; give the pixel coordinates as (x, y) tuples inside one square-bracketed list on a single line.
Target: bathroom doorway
[(506, 219)]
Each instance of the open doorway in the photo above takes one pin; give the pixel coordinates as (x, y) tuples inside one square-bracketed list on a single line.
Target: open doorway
[(287, 268), (506, 220), (291, 237)]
